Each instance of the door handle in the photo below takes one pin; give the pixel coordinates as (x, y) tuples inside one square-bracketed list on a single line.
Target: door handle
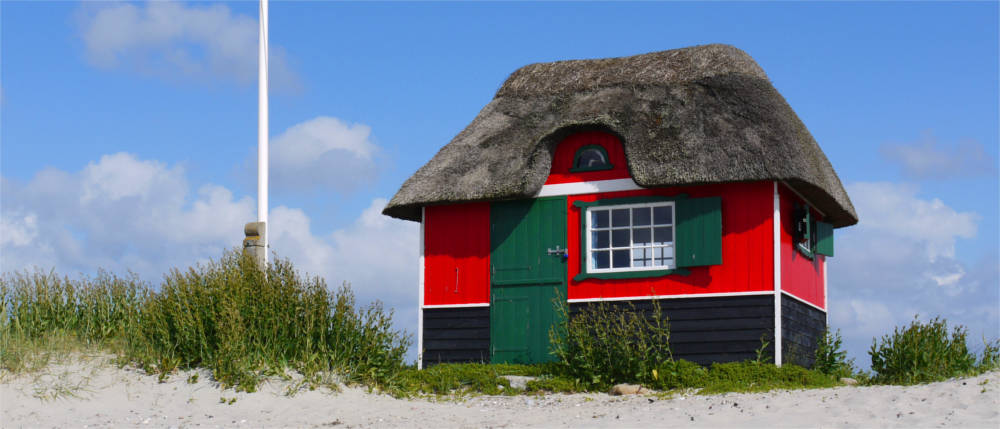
[(564, 253)]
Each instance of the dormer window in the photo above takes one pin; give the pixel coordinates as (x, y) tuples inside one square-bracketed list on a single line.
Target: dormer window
[(591, 158)]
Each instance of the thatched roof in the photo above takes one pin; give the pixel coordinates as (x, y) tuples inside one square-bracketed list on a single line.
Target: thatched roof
[(704, 114)]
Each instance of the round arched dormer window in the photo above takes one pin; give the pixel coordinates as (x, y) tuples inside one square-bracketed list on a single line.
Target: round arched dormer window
[(591, 158)]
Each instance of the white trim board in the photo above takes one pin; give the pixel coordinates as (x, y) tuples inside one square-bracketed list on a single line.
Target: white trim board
[(790, 295), (777, 275), (420, 303), (594, 187), (695, 295), (478, 304), (826, 299)]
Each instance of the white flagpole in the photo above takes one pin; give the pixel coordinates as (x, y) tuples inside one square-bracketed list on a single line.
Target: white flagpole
[(262, 137)]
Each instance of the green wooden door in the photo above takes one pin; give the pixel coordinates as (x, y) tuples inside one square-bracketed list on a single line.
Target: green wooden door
[(528, 273)]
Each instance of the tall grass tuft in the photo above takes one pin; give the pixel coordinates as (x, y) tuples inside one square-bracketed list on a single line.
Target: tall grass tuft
[(924, 352), (606, 344), (228, 315)]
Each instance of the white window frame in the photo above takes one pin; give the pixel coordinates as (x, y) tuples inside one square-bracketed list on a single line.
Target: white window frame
[(588, 250)]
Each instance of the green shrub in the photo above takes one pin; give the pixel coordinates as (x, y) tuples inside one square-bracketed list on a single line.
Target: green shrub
[(680, 374), (990, 358), (606, 344), (831, 358), (920, 353)]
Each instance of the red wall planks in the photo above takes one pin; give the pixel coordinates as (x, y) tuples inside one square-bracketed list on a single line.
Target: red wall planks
[(800, 275), (747, 252), (457, 254), (563, 159)]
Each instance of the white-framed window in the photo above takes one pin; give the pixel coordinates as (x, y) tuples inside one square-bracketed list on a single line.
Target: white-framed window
[(630, 237)]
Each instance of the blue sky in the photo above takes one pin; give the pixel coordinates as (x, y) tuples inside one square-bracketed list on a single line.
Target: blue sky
[(128, 130)]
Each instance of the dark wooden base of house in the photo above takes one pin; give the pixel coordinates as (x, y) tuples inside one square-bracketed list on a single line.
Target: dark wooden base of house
[(456, 335), (802, 326), (702, 330)]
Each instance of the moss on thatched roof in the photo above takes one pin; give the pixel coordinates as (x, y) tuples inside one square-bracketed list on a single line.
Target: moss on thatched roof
[(698, 115)]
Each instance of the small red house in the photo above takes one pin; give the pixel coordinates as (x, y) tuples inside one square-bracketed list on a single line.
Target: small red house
[(679, 176)]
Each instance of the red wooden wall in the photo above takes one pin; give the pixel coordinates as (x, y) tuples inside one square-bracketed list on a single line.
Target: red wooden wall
[(563, 159), (800, 275), (747, 252), (457, 254)]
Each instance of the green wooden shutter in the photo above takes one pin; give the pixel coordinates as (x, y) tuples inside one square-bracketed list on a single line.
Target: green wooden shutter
[(824, 238), (699, 232)]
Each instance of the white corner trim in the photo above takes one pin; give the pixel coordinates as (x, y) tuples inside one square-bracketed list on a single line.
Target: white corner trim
[(478, 304), (777, 275), (826, 299), (420, 303), (693, 295), (597, 186), (795, 297)]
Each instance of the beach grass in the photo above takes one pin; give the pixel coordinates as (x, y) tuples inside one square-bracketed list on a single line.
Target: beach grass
[(240, 322)]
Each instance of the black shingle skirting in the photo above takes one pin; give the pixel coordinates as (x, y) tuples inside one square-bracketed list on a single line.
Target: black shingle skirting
[(802, 325), (456, 335), (717, 329)]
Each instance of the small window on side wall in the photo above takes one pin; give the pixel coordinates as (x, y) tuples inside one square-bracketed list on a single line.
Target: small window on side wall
[(810, 236), (591, 158)]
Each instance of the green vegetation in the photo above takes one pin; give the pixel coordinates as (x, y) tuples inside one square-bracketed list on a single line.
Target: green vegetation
[(244, 324), (240, 322), (606, 344), (924, 352), (459, 379), (831, 358)]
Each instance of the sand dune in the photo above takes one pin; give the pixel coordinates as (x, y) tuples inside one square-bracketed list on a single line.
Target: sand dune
[(94, 394)]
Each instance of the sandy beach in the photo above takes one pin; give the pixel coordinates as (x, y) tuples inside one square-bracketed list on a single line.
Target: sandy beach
[(93, 393)]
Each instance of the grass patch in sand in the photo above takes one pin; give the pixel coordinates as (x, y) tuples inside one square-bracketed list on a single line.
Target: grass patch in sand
[(228, 316), (460, 379)]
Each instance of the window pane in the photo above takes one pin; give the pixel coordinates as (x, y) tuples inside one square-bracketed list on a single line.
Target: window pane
[(592, 158), (599, 219), (663, 256), (641, 236), (600, 259), (619, 217), (620, 258), (663, 235), (600, 239), (642, 257), (640, 216), (619, 237), (663, 215)]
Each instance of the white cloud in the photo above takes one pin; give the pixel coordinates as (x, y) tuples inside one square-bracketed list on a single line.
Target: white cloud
[(171, 40), (927, 158), (18, 229), (900, 261), (323, 153), (119, 213), (893, 210)]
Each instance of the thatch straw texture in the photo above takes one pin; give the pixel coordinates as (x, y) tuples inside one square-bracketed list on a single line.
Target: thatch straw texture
[(704, 114)]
